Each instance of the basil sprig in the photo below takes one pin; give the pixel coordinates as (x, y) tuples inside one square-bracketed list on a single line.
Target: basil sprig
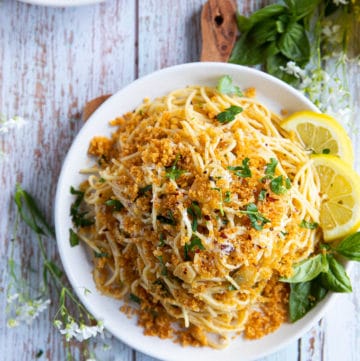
[(314, 277), (228, 115), (275, 35)]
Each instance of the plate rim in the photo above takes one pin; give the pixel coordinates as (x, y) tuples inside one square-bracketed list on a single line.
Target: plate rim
[(61, 3), (303, 325)]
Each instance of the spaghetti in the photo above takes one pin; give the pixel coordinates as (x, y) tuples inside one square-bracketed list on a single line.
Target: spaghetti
[(197, 201)]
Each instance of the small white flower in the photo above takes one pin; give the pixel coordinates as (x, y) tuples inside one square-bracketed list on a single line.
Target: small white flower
[(14, 122), (12, 298), (81, 333), (340, 2), (293, 69), (12, 323)]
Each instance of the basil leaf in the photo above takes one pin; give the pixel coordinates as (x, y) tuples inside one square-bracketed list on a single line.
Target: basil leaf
[(225, 86), (303, 297), (307, 270), (246, 53), (264, 32), (336, 278), (294, 43), (350, 247), (302, 8), (74, 238), (259, 15), (229, 114)]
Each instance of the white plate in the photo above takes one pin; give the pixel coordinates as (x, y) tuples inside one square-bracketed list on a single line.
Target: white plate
[(272, 92), (61, 3)]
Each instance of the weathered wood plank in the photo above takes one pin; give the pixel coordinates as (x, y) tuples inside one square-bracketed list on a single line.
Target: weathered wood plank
[(52, 62)]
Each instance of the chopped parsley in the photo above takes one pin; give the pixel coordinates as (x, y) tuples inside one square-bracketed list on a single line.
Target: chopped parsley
[(221, 209), (173, 172), (101, 180), (134, 298), (231, 287), (162, 264), (142, 191), (270, 168), (228, 114), (308, 225), (78, 217), (195, 243), (169, 219), (326, 151), (101, 254), (227, 198), (256, 218), (115, 204), (161, 240), (225, 86), (277, 185), (243, 171), (195, 212), (262, 195), (74, 238)]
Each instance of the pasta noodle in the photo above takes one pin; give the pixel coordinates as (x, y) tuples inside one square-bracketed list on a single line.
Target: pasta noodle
[(197, 217)]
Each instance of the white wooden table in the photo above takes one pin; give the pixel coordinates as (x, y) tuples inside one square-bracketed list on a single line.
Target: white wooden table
[(51, 62)]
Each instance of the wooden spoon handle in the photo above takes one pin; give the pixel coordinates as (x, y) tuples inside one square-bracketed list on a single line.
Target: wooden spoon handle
[(219, 30), (92, 105)]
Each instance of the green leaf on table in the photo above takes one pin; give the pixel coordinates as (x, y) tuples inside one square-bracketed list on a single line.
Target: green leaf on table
[(308, 269), (350, 247), (303, 297), (263, 32), (30, 212), (294, 43), (246, 53), (273, 65), (336, 278), (226, 86)]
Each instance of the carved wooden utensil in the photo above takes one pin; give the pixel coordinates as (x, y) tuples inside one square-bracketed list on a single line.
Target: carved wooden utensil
[(218, 29)]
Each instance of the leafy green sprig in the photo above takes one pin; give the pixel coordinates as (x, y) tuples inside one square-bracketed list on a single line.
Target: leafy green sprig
[(315, 276), (72, 325)]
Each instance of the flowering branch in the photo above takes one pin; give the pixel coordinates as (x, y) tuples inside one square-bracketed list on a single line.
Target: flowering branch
[(20, 306)]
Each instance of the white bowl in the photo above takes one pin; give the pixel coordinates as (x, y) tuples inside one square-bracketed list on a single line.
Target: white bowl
[(61, 3), (272, 92)]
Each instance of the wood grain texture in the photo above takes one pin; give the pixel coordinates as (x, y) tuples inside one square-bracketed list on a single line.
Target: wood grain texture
[(218, 30), (51, 62)]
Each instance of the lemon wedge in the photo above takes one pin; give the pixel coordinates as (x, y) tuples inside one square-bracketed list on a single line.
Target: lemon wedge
[(320, 133), (340, 190)]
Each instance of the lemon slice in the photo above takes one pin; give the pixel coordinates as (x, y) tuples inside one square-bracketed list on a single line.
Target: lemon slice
[(340, 190), (320, 133)]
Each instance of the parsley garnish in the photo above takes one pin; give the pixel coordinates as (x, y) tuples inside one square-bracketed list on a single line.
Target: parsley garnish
[(163, 267), (225, 86), (270, 167), (277, 185), (134, 298), (173, 172), (101, 254), (326, 151), (308, 225), (228, 114), (115, 204), (221, 209), (256, 218), (142, 191), (195, 212), (77, 217), (195, 242), (74, 238), (262, 195), (242, 171), (101, 180), (231, 287), (227, 198), (167, 220), (161, 240)]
